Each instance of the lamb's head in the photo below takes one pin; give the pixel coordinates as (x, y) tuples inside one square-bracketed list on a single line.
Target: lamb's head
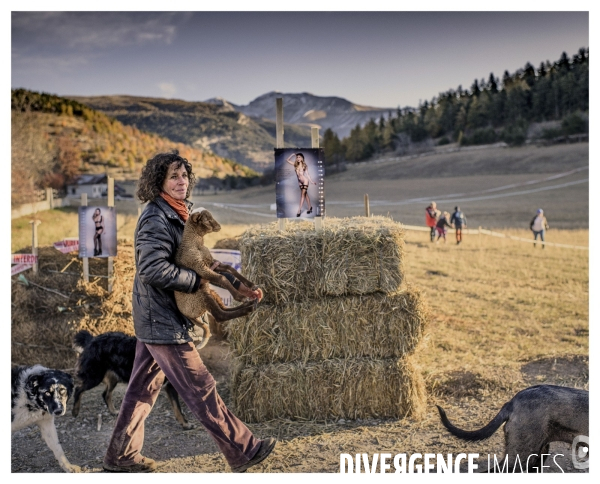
[(202, 222)]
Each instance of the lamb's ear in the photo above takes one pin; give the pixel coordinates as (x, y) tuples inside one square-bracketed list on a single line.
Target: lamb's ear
[(207, 219), (196, 217)]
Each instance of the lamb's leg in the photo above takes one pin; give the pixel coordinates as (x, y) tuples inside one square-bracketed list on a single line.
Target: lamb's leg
[(219, 301), (230, 270), (48, 431), (216, 328), (222, 315), (221, 281)]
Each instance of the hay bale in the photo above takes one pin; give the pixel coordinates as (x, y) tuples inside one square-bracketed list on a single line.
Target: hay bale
[(375, 325), (230, 243), (357, 255), (329, 389)]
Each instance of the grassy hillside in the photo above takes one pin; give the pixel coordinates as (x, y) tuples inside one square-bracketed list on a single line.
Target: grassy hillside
[(54, 138), (452, 161), (220, 129)]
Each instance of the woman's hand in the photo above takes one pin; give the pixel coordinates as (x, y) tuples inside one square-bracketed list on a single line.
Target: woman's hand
[(246, 291)]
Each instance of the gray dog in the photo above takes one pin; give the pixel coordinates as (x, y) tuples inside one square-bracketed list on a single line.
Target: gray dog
[(534, 417)]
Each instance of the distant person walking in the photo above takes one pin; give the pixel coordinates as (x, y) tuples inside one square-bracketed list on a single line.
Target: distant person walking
[(538, 226), (431, 217), (441, 225), (459, 221)]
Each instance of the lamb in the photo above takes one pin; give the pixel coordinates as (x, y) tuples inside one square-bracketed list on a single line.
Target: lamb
[(193, 254)]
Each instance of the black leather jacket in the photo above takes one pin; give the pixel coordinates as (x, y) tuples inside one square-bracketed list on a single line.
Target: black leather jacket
[(156, 318)]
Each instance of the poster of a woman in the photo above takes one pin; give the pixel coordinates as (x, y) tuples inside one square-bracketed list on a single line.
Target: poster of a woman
[(99, 229), (97, 232), (299, 183)]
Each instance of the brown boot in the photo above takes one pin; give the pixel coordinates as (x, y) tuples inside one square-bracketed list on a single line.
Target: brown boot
[(266, 446), (145, 465)]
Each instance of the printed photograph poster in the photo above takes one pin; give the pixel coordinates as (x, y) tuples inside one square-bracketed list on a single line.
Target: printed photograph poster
[(299, 175), (97, 232)]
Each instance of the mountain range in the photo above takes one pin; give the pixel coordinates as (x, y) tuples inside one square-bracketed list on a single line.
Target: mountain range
[(245, 134), (305, 109)]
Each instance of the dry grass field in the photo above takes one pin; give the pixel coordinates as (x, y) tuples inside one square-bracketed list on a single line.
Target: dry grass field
[(504, 316)]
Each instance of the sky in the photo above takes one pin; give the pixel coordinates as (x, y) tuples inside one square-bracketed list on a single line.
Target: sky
[(380, 59)]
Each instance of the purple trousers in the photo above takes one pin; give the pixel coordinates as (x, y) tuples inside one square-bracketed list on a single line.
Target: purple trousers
[(182, 365)]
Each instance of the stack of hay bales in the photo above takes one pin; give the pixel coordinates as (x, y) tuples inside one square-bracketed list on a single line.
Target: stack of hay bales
[(337, 328)]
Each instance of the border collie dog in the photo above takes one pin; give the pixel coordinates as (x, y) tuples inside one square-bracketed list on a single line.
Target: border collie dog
[(108, 358), (39, 394)]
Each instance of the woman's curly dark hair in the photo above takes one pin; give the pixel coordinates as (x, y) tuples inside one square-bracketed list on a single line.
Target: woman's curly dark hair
[(154, 174)]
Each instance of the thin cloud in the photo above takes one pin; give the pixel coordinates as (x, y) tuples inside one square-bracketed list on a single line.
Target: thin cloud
[(50, 62), (168, 89), (93, 30)]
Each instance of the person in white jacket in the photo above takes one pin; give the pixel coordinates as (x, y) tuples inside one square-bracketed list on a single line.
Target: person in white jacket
[(538, 226)]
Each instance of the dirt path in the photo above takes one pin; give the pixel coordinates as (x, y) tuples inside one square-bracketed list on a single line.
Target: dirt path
[(303, 446)]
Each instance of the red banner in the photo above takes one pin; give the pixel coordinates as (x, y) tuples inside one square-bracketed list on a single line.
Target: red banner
[(23, 259), (67, 245)]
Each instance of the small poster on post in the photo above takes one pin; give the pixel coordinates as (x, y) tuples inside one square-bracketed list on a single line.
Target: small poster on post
[(97, 232), (299, 175)]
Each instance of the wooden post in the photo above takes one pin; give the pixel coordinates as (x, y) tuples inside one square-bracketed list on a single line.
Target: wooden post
[(367, 208), (279, 141), (85, 260), (34, 242), (314, 138), (279, 122), (111, 203), (50, 198)]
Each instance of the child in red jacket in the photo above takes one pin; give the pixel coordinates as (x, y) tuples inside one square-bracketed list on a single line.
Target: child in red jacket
[(431, 218)]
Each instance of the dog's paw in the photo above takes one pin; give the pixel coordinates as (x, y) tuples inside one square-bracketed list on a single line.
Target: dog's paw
[(188, 426), (72, 468)]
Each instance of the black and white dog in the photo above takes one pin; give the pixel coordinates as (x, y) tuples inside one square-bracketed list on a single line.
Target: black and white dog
[(108, 358), (39, 394)]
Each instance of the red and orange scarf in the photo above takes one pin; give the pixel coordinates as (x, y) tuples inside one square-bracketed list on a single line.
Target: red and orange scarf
[(178, 205)]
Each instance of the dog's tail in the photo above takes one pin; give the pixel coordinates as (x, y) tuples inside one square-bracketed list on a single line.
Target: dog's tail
[(81, 340), (483, 433)]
